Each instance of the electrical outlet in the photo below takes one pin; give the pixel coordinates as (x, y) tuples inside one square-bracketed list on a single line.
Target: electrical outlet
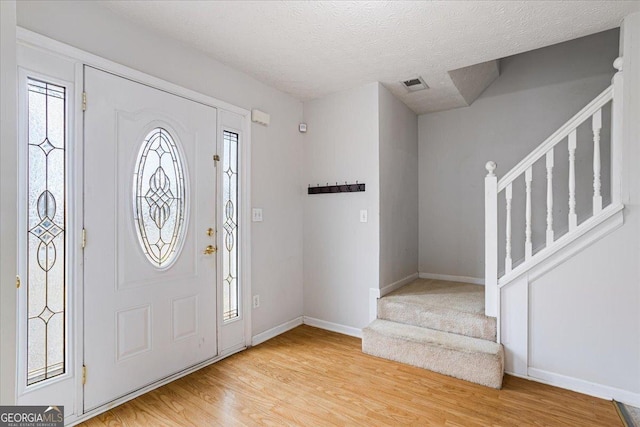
[(256, 301)]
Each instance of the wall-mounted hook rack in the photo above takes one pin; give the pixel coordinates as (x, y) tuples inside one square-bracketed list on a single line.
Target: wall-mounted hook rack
[(338, 188)]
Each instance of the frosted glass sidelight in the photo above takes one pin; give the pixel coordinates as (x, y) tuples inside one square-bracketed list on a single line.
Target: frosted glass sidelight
[(230, 226), (46, 237), (159, 198)]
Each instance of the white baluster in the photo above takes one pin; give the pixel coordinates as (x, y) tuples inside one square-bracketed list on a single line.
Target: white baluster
[(491, 295), (528, 246), (596, 122), (617, 189), (573, 217), (550, 234), (508, 193)]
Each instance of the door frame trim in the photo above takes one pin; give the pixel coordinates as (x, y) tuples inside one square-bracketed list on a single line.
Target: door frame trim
[(41, 42), (80, 58)]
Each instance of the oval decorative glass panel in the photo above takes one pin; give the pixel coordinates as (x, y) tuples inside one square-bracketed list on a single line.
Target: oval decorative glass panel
[(159, 198)]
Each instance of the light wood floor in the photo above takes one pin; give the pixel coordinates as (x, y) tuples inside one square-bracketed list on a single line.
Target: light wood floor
[(311, 377)]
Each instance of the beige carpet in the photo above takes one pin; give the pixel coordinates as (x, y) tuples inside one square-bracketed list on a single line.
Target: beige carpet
[(459, 356), (444, 306), (463, 297), (438, 326)]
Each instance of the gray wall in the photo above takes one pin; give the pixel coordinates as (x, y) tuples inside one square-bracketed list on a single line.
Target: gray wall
[(341, 254), (276, 261), (398, 189), (536, 93)]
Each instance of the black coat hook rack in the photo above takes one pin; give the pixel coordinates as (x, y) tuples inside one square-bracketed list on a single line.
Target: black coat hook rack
[(338, 188)]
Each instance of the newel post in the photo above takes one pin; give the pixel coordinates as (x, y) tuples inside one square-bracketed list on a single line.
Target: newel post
[(491, 241), (616, 134)]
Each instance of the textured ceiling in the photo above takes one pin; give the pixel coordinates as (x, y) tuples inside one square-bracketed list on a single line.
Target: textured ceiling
[(312, 48)]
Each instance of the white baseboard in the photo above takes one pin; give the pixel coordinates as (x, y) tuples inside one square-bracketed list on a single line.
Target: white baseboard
[(582, 386), (275, 331), (463, 279), (397, 285), (333, 327)]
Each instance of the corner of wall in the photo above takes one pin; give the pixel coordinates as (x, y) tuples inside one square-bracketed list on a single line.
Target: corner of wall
[(398, 174)]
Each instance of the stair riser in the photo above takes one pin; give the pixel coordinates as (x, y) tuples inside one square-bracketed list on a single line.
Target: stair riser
[(460, 323), (480, 368)]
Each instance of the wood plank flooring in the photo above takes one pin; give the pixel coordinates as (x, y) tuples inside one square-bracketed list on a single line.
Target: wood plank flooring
[(312, 377)]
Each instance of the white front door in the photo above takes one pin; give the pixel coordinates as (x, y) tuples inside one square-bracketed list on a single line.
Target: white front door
[(150, 220)]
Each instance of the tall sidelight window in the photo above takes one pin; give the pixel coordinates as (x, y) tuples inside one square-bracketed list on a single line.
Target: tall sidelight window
[(46, 237), (230, 226)]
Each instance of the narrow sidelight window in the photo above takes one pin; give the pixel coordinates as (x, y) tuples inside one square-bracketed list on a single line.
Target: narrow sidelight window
[(46, 237), (230, 226)]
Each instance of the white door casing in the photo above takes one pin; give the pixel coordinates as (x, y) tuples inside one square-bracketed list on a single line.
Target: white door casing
[(144, 323)]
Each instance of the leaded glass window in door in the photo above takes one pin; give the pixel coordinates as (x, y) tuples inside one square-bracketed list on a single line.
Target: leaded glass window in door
[(46, 236), (230, 226), (159, 200)]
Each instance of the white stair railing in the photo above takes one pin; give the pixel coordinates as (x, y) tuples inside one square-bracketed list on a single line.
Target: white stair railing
[(494, 188)]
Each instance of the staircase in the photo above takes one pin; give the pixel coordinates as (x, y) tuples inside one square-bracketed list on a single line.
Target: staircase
[(439, 326), (456, 329), (551, 247)]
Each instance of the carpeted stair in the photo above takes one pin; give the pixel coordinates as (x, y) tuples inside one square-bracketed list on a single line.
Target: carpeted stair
[(439, 326)]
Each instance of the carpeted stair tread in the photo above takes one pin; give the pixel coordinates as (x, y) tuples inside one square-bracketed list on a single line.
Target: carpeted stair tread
[(471, 359), (439, 338), (461, 297), (445, 306)]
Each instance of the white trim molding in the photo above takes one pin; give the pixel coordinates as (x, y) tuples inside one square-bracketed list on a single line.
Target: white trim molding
[(305, 320), (450, 278), (333, 327), (584, 387), (277, 330), (47, 44), (608, 220), (398, 284)]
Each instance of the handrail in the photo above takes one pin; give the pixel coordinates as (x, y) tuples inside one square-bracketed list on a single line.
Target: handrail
[(556, 137), (600, 215), (562, 242)]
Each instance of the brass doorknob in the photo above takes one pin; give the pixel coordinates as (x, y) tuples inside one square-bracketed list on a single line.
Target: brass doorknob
[(209, 250)]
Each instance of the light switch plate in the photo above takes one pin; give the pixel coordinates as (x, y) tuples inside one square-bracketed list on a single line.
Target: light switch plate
[(363, 215), (256, 215)]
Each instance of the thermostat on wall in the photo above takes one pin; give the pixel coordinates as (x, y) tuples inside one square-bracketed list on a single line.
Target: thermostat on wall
[(302, 127)]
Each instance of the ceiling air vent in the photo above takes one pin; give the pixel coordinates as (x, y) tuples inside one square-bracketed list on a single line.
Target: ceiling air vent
[(414, 85)]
